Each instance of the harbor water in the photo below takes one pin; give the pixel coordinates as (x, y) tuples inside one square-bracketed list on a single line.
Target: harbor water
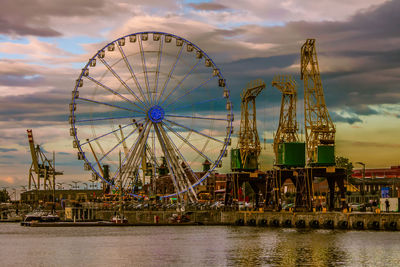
[(195, 246)]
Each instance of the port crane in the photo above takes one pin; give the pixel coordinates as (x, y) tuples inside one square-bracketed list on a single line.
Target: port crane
[(319, 128), (41, 168), (249, 141), (287, 128)]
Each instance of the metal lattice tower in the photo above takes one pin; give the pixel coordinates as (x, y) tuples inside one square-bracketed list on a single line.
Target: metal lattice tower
[(287, 129), (41, 167), (249, 142), (319, 128)]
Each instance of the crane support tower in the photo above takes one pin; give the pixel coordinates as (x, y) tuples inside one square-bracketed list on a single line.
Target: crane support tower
[(246, 157), (41, 167), (289, 152), (319, 128)]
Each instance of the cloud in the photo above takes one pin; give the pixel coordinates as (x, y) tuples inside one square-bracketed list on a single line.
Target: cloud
[(350, 120), (207, 6), (35, 17), (7, 149)]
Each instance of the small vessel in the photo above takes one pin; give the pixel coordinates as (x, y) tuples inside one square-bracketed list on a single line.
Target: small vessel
[(119, 219), (40, 216), (51, 217)]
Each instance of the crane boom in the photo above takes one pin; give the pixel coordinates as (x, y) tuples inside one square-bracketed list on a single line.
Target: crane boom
[(287, 128), (319, 128), (41, 167), (33, 151), (249, 142)]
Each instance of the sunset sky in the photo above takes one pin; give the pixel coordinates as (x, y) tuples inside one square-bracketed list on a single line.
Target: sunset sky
[(45, 44)]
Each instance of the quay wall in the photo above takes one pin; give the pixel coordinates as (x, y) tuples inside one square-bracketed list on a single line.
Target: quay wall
[(353, 220)]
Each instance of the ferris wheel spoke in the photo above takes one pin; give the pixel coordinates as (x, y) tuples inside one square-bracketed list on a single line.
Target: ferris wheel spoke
[(120, 80), (194, 117), (113, 92), (185, 177), (158, 68), (136, 179), (171, 72), (188, 92), (131, 71), (118, 144), (146, 77), (167, 159), (197, 103), (188, 143), (193, 130), (151, 152), (130, 159), (109, 118), (104, 135), (129, 66), (180, 82), (106, 104)]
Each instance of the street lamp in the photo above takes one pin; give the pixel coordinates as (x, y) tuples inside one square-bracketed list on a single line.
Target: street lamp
[(60, 186), (92, 185), (76, 186), (363, 179), (86, 185)]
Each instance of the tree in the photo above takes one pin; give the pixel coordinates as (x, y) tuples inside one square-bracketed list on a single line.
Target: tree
[(4, 196), (345, 163)]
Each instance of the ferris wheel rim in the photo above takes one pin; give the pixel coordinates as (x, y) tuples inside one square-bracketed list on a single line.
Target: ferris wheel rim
[(154, 119)]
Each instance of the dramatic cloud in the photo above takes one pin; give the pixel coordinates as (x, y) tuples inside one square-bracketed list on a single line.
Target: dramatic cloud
[(44, 45)]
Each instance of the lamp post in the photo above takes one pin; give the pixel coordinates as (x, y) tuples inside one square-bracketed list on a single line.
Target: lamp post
[(363, 179), (60, 186), (75, 184)]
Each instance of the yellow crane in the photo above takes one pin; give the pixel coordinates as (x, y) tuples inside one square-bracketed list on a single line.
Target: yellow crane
[(246, 157), (319, 128), (41, 167), (289, 152)]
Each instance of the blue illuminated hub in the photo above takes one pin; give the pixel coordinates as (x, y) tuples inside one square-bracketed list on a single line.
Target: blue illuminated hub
[(156, 114)]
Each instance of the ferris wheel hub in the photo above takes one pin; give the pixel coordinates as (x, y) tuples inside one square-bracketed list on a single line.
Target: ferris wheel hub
[(156, 114)]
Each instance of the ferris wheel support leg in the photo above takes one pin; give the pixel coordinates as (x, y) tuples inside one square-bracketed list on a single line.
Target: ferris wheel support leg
[(183, 171), (167, 157), (133, 154)]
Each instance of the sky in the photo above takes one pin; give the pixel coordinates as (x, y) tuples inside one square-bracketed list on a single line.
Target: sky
[(45, 44)]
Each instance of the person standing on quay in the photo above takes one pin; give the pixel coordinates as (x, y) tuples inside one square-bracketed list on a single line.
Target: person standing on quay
[(387, 205)]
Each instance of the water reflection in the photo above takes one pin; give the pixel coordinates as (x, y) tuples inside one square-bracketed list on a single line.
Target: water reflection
[(285, 247), (195, 246)]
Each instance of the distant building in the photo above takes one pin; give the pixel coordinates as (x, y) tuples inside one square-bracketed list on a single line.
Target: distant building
[(369, 185), (392, 172), (81, 195)]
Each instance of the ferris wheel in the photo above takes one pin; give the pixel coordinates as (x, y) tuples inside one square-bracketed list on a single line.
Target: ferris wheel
[(150, 110)]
